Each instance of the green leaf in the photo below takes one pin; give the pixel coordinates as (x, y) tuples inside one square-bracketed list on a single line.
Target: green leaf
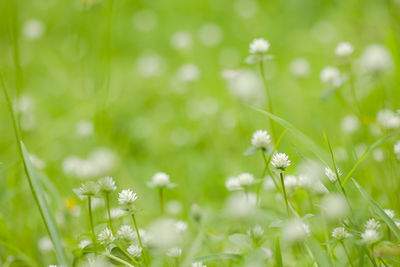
[(221, 256), (381, 213), (313, 147), (320, 255), (371, 147), (278, 253)]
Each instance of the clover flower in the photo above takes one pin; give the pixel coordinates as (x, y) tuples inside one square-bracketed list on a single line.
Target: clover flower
[(126, 232), (160, 179), (105, 237), (107, 184), (127, 197), (256, 232), (340, 233), (372, 224), (370, 236), (134, 250), (376, 59), (280, 161), (344, 49), (261, 139), (88, 189), (245, 179), (259, 46)]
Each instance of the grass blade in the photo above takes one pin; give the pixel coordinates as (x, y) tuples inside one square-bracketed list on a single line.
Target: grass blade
[(313, 147), (381, 213), (371, 147), (278, 253), (320, 255)]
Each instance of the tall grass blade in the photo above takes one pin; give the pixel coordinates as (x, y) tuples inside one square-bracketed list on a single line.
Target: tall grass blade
[(278, 253)]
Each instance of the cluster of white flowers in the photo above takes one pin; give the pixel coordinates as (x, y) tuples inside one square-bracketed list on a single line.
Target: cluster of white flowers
[(242, 181), (256, 232), (107, 184), (198, 264), (106, 237), (334, 206), (376, 59), (331, 77), (340, 233)]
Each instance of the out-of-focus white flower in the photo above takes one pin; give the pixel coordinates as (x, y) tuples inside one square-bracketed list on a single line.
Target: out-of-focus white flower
[(239, 206), (267, 252), (188, 73), (210, 34), (150, 65), (160, 179), (117, 213), (340, 233), (280, 161), (320, 188), (245, 179), (174, 207), (181, 40), (305, 181), (370, 236), (296, 231), (378, 154), (126, 232), (389, 213), (127, 197), (256, 232), (163, 234), (376, 59), (268, 183), (300, 67), (174, 252), (290, 181), (261, 139), (45, 244), (105, 237), (145, 20), (107, 184), (350, 124), (331, 76), (88, 189), (372, 224), (244, 85), (246, 8), (344, 49), (396, 149), (259, 46), (198, 264), (84, 243), (181, 226), (34, 29), (388, 119), (84, 128), (134, 250), (331, 174), (334, 206)]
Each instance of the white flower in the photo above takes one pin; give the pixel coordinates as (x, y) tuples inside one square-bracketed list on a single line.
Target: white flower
[(331, 175), (107, 184), (344, 49), (334, 206), (84, 128), (389, 213), (305, 181), (296, 230), (127, 197), (259, 46), (210, 34), (34, 29), (188, 73), (256, 232), (232, 183), (299, 67), (388, 119), (174, 252), (340, 233), (376, 59), (246, 179), (370, 236), (198, 264), (88, 189), (134, 250), (181, 226), (290, 181), (396, 149), (372, 224), (45, 244), (350, 124), (260, 139), (160, 179), (105, 237), (331, 76), (84, 243), (126, 232), (117, 213), (181, 40), (280, 161)]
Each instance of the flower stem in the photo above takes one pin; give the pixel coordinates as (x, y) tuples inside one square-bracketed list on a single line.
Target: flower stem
[(269, 99), (109, 213), (161, 200), (91, 224), (262, 177), (284, 192), (347, 253), (137, 231)]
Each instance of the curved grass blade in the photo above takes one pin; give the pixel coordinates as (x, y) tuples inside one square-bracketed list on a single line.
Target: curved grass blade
[(381, 213), (221, 256), (278, 253), (371, 147), (313, 147)]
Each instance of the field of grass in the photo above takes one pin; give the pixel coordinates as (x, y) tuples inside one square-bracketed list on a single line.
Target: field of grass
[(200, 133)]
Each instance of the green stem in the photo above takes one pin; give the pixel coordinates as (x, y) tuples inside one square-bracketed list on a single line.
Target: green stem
[(137, 231), (347, 253), (91, 224), (161, 200), (110, 224), (270, 107), (262, 177), (117, 259), (284, 192)]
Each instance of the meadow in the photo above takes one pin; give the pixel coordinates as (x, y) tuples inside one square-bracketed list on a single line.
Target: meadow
[(199, 133)]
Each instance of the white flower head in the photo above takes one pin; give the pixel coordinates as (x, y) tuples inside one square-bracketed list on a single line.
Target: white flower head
[(299, 67), (332, 175), (376, 59), (334, 206), (256, 232), (181, 226), (331, 76), (127, 197), (350, 124), (105, 237), (388, 119), (134, 250), (372, 224), (198, 264), (245, 179), (280, 161), (344, 49), (370, 236), (84, 243), (296, 231), (232, 184), (389, 213), (160, 179), (259, 46), (261, 139), (88, 189), (174, 252), (340, 233), (107, 184), (126, 232)]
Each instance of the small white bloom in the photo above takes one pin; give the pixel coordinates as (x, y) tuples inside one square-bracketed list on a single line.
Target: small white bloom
[(246, 179), (260, 139), (344, 49), (45, 244), (389, 213), (188, 73), (127, 197), (181, 40), (340, 233), (135, 251), (280, 161), (126, 232), (34, 29), (107, 184), (376, 59), (181, 226), (370, 236), (331, 175), (396, 149), (256, 232), (334, 206), (350, 124), (232, 184), (160, 179), (84, 128), (299, 67), (296, 231), (305, 181), (105, 237), (174, 252), (388, 119), (372, 224), (88, 189), (84, 243), (259, 46), (331, 76), (117, 213)]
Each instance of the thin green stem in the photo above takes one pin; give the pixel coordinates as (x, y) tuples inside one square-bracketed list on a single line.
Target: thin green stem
[(110, 224), (117, 259), (91, 224), (262, 176), (284, 192), (347, 253), (269, 99), (161, 197), (137, 231)]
